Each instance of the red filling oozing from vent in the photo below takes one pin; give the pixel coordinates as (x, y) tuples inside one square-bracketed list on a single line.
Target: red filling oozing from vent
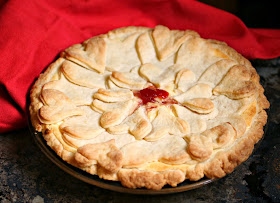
[(150, 94)]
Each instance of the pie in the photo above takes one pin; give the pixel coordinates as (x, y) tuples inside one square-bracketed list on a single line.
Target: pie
[(150, 107)]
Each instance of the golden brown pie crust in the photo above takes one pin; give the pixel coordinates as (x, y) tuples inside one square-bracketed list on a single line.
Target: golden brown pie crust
[(88, 108)]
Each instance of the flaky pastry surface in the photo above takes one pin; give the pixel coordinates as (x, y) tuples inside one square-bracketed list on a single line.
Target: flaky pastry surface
[(94, 110)]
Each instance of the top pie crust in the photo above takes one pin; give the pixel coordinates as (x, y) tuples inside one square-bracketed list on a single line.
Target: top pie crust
[(89, 106)]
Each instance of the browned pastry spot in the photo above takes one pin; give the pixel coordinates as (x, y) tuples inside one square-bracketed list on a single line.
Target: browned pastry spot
[(57, 107), (200, 147), (106, 154), (200, 105), (92, 53), (167, 41), (236, 84), (221, 135), (133, 178)]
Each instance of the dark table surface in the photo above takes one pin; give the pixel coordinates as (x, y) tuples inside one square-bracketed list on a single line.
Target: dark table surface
[(27, 175)]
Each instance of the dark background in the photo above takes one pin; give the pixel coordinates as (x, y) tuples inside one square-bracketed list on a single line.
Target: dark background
[(254, 13)]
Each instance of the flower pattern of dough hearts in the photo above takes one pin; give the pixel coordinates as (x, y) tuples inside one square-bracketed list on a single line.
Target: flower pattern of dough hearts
[(150, 106)]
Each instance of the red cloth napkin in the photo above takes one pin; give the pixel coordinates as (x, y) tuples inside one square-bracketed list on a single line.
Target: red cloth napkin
[(32, 33)]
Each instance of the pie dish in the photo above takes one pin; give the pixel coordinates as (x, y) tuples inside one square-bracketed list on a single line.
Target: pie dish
[(150, 107)]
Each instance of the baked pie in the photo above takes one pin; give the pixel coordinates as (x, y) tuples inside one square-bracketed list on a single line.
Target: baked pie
[(150, 107)]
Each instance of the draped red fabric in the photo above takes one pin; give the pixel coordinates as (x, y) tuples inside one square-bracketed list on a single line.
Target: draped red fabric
[(33, 32)]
